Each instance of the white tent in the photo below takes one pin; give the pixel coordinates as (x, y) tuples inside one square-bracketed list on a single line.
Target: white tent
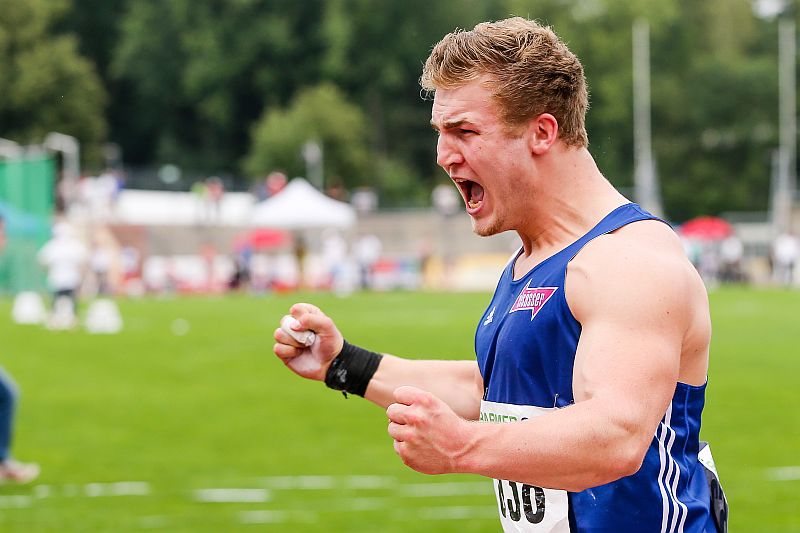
[(181, 208), (300, 206)]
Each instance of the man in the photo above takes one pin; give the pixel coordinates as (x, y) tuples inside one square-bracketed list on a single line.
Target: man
[(65, 258), (785, 252), (594, 348), (10, 470)]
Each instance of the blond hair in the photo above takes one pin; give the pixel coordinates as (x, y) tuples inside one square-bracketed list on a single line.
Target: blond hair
[(529, 71)]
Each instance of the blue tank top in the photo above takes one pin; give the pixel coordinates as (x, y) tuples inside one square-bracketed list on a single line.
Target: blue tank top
[(525, 344)]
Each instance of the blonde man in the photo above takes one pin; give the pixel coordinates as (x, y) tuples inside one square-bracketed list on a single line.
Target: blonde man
[(584, 403)]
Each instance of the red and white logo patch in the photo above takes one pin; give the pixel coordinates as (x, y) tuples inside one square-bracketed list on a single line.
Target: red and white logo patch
[(533, 298)]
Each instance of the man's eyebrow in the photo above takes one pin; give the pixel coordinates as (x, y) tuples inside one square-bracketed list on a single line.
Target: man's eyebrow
[(448, 124)]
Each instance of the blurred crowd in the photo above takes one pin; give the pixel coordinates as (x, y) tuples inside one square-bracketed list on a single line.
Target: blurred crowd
[(261, 261), (93, 264), (724, 260), (94, 256), (91, 197)]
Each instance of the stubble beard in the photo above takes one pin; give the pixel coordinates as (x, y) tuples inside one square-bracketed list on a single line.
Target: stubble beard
[(493, 228)]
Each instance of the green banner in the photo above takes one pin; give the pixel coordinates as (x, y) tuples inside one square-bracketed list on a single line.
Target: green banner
[(26, 205)]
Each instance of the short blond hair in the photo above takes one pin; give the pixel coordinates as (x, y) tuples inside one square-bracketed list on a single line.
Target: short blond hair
[(529, 70)]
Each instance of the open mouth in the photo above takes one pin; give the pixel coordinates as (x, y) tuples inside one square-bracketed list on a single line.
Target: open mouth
[(471, 191)]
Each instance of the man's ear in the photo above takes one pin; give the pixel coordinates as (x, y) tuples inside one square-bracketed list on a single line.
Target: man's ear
[(542, 133)]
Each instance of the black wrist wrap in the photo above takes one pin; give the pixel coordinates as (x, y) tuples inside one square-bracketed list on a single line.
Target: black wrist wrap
[(352, 369)]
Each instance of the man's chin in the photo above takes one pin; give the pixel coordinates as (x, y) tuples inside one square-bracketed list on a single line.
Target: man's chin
[(484, 229)]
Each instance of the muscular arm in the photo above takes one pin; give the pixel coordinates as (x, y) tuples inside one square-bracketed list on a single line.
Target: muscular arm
[(634, 304), (458, 383)]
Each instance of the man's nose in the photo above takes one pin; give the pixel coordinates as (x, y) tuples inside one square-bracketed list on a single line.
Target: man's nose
[(446, 154)]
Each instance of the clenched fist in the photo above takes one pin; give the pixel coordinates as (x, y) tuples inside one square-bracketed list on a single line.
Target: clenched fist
[(312, 361), (428, 435)]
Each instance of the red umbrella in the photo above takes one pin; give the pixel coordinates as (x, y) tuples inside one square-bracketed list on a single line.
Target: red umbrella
[(706, 228), (261, 239)]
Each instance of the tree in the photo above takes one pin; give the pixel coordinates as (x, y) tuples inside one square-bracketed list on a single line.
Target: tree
[(321, 114), (714, 109), (191, 79), (202, 73), (375, 51), (46, 85)]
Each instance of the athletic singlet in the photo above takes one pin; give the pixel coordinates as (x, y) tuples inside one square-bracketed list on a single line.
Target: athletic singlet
[(525, 344)]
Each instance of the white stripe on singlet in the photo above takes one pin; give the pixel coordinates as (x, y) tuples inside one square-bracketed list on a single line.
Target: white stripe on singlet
[(666, 438)]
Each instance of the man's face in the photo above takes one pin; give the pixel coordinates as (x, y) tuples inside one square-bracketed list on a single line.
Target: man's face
[(484, 161)]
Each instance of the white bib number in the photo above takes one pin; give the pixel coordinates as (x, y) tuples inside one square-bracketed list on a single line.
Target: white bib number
[(523, 507)]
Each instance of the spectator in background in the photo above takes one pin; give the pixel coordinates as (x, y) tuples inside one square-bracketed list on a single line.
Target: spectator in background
[(65, 258), (215, 191), (259, 190), (275, 183), (731, 252), (300, 250), (368, 250), (693, 250), (710, 263), (241, 273), (785, 252), (10, 470), (200, 192), (209, 254), (335, 261), (336, 190), (104, 196), (131, 269), (100, 263), (269, 186)]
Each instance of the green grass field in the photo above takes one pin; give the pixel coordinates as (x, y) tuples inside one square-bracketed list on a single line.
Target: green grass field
[(149, 430)]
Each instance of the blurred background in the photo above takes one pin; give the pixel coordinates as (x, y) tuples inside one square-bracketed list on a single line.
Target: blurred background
[(159, 129), (174, 174)]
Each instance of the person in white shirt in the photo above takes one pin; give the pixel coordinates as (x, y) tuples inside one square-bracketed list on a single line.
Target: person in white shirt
[(785, 252), (65, 258)]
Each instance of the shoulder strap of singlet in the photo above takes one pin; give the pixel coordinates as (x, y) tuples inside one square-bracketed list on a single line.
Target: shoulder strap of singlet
[(619, 217)]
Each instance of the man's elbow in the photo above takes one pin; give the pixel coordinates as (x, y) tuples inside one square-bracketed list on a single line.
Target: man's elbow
[(624, 458), (630, 458)]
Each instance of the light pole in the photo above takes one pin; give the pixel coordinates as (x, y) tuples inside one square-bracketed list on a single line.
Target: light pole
[(70, 148), (645, 179), (783, 190), (787, 75), (313, 157)]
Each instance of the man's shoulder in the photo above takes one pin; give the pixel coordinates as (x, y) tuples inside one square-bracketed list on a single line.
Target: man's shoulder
[(646, 243), (640, 262)]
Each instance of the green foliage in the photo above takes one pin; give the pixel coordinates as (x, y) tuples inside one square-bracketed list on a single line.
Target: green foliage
[(714, 119), (202, 73), (46, 84), (190, 81), (398, 187), (321, 114)]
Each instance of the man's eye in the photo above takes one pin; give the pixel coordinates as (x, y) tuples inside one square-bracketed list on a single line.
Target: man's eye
[(466, 132)]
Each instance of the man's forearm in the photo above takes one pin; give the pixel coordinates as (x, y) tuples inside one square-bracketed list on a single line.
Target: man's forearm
[(454, 382), (571, 449)]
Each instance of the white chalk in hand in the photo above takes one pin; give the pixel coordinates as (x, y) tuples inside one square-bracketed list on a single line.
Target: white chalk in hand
[(305, 337)]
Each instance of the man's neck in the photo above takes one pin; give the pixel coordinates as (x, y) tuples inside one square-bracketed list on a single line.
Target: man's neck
[(572, 199)]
